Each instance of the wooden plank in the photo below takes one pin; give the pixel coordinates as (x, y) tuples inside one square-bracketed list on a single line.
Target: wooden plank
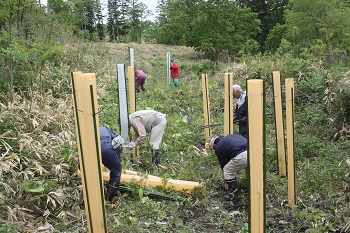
[(281, 152), (290, 140), (132, 105), (228, 111), (74, 76), (132, 176), (257, 217), (89, 153), (206, 109)]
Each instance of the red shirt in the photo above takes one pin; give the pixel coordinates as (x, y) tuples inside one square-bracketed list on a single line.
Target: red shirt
[(174, 71)]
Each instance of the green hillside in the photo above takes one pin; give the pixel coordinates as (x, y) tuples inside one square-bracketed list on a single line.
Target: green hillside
[(40, 191)]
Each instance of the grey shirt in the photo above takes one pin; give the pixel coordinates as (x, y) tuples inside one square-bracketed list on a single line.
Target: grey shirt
[(143, 121)]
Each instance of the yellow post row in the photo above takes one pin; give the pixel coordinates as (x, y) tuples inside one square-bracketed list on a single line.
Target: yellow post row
[(290, 140), (132, 103), (281, 152), (256, 150), (206, 109), (228, 112), (88, 135)]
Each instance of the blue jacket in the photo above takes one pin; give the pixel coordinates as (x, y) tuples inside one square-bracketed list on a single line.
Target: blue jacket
[(229, 147), (106, 137), (110, 156), (240, 113)]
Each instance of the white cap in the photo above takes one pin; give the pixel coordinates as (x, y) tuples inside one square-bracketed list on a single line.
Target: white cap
[(212, 140), (236, 87)]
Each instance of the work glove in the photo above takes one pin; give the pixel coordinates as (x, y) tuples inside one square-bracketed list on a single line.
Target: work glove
[(132, 144), (117, 141)]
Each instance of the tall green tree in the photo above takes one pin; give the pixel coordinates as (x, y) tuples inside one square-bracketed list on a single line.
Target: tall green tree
[(88, 14), (99, 21), (172, 22), (137, 16), (62, 11), (117, 19), (27, 44), (325, 23), (270, 13), (222, 29)]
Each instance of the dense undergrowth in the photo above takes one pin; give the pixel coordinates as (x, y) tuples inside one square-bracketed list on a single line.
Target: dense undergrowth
[(40, 192)]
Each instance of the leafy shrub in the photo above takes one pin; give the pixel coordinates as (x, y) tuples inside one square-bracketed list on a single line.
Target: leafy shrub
[(341, 101), (275, 36), (310, 146), (204, 67)]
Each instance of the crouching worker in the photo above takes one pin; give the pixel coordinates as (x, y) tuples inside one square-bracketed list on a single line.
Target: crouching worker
[(231, 152), (111, 159), (148, 121), (140, 77)]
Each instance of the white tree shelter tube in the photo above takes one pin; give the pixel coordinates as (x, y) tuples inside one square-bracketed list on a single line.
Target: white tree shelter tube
[(123, 103), (168, 61)]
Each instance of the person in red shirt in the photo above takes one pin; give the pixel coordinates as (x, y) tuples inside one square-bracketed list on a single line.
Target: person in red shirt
[(175, 72), (140, 77)]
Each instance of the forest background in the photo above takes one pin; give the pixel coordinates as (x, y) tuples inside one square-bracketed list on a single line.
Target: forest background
[(40, 45)]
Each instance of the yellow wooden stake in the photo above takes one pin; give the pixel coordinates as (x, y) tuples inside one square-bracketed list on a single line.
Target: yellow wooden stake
[(132, 95), (256, 154), (132, 103), (281, 152), (73, 76), (228, 112), (88, 135), (290, 140), (206, 109)]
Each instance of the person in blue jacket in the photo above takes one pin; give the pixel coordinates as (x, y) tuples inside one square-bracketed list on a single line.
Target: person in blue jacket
[(231, 152), (110, 159), (240, 115)]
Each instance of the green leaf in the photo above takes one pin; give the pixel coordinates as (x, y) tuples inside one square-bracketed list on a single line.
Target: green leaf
[(32, 188), (140, 193), (179, 222)]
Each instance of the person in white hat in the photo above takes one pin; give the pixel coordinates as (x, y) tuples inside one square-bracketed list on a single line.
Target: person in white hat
[(240, 115), (231, 152)]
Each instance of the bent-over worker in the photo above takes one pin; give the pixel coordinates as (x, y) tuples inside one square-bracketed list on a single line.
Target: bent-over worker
[(111, 159), (148, 121), (231, 152)]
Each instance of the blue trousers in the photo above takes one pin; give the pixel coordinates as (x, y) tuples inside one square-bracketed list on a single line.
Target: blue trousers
[(111, 159)]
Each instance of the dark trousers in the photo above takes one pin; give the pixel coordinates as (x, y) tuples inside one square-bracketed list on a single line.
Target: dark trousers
[(140, 83), (111, 159)]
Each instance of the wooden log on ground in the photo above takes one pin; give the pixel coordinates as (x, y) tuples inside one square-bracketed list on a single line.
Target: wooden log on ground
[(129, 176)]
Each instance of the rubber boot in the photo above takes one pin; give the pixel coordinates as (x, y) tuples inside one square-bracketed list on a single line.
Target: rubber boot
[(111, 191), (156, 158), (232, 188)]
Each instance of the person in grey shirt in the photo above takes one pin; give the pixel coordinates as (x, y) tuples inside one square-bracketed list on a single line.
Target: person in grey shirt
[(148, 121)]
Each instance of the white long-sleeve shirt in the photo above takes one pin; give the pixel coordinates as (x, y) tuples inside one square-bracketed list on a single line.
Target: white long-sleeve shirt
[(142, 122)]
